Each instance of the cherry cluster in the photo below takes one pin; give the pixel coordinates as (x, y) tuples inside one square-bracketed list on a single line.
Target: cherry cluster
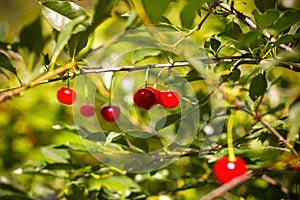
[(144, 98), (109, 112), (148, 96)]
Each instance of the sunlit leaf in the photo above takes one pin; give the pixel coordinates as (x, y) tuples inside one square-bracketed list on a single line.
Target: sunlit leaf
[(64, 36), (61, 13), (155, 8), (141, 54)]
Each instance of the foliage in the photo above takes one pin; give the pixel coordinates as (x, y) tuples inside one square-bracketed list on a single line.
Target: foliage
[(252, 49)]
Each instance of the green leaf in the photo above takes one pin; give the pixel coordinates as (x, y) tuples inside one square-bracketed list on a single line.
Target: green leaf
[(188, 13), (166, 121), (6, 64), (11, 188), (155, 8), (191, 76), (141, 54), (214, 44), (59, 155), (61, 13), (33, 30), (232, 31), (263, 5), (15, 197), (287, 38), (287, 20), (76, 192), (258, 87), (249, 40), (102, 11), (267, 19), (64, 36), (61, 166)]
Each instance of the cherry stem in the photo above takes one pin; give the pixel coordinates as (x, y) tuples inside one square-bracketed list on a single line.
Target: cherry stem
[(110, 88), (68, 81), (86, 93), (169, 72), (147, 77), (231, 156)]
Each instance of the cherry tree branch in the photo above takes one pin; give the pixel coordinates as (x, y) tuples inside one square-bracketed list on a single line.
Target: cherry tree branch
[(229, 185), (251, 23), (50, 76)]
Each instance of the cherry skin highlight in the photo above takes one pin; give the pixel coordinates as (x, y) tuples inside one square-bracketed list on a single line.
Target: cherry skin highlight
[(156, 92), (169, 98), (66, 96), (144, 98), (87, 110), (110, 112), (225, 171)]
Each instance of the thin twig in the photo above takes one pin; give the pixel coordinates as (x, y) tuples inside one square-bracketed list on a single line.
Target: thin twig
[(196, 28), (275, 183), (229, 185), (247, 20), (268, 126)]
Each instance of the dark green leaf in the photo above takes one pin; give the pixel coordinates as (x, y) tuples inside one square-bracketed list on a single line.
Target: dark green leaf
[(249, 40), (193, 75), (287, 20), (6, 64), (11, 188), (263, 5), (76, 192), (166, 121), (102, 11), (267, 19), (61, 166), (141, 54), (61, 13), (15, 197), (258, 87), (232, 31), (214, 44), (32, 36), (188, 13), (287, 38), (155, 8)]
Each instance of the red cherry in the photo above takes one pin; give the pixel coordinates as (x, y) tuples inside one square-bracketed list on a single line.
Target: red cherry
[(169, 98), (144, 98), (87, 110), (66, 96), (156, 92), (224, 170), (110, 112)]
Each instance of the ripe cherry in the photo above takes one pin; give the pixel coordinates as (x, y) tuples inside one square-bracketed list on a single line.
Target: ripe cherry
[(144, 98), (168, 98), (156, 92), (87, 110), (224, 170), (110, 112), (66, 95)]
